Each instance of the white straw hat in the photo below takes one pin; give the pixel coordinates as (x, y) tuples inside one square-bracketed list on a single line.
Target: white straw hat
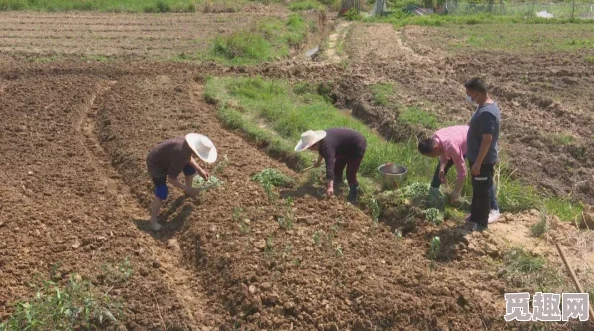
[(308, 138), (202, 146)]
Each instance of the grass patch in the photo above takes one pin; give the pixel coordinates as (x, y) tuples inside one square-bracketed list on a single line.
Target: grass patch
[(274, 113), (77, 305), (561, 139), (400, 19), (589, 59), (271, 38), (564, 209), (522, 269), (134, 6), (416, 117), (519, 261), (381, 93), (306, 5)]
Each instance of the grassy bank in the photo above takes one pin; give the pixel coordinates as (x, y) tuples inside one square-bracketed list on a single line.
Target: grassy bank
[(274, 113), (271, 38)]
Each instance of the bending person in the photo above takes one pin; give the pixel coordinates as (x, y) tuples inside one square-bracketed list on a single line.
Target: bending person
[(449, 144), (168, 159), (339, 148)]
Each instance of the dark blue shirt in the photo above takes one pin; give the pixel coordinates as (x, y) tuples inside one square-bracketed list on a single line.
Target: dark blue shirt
[(485, 120)]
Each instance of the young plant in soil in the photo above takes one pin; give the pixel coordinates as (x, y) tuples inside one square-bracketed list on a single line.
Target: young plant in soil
[(212, 181), (434, 216), (434, 249), (286, 220), (270, 178)]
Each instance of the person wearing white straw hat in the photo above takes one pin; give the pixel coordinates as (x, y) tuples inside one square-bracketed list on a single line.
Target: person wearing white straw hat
[(171, 157), (340, 148)]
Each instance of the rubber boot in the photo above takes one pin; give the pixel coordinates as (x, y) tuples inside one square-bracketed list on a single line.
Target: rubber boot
[(353, 193)]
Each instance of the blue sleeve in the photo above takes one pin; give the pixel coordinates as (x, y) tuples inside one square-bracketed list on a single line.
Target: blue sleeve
[(487, 122)]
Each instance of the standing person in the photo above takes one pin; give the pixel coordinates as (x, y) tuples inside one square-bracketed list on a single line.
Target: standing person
[(340, 148), (482, 144), (168, 159), (449, 144)]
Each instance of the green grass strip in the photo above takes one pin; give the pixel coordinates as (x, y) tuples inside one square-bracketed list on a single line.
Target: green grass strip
[(399, 19), (269, 39), (275, 113)]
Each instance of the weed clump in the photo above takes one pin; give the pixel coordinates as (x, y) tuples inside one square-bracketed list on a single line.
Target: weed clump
[(273, 177), (270, 178), (74, 306)]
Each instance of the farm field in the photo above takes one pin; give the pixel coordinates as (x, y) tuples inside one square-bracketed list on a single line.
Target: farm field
[(84, 96)]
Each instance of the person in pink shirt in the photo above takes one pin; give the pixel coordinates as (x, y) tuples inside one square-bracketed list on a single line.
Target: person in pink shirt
[(449, 144)]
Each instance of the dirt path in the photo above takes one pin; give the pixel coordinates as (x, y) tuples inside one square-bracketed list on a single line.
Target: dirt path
[(335, 51)]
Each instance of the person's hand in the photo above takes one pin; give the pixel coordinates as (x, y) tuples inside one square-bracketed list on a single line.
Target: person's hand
[(204, 174), (476, 169), (330, 192), (442, 178)]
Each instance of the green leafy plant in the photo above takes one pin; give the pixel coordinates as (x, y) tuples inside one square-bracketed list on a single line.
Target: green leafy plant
[(434, 216), (434, 248), (199, 182)]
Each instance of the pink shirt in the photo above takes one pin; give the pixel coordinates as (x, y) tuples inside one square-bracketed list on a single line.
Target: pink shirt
[(453, 142)]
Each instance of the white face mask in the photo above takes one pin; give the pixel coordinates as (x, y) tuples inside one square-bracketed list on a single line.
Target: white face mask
[(469, 99)]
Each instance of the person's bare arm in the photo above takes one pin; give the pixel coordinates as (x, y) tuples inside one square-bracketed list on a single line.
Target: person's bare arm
[(203, 173), (176, 183)]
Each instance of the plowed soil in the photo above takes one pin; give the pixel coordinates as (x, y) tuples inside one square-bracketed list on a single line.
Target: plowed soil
[(75, 136), (154, 36)]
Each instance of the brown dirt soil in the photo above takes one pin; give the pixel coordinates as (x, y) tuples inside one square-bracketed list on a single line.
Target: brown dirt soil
[(66, 209), (86, 129)]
